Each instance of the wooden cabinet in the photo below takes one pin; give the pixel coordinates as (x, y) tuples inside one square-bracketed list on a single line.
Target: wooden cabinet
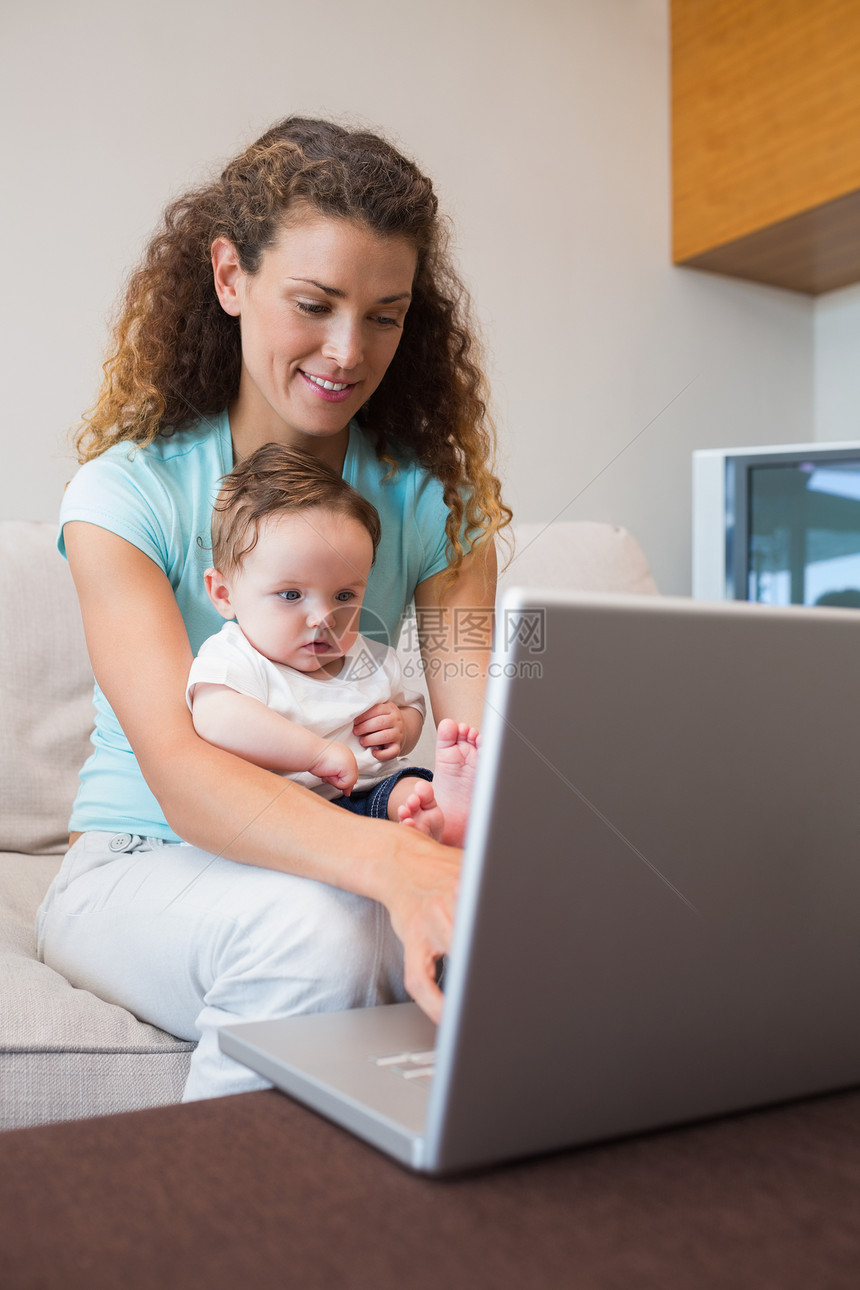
[(766, 139)]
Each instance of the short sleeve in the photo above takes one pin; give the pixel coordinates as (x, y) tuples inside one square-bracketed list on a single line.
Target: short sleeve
[(222, 660), (118, 492), (430, 516)]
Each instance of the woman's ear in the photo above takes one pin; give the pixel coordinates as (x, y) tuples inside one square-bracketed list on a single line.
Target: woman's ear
[(228, 275), (218, 590)]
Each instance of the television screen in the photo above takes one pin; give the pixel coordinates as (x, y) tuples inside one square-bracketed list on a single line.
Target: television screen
[(803, 533)]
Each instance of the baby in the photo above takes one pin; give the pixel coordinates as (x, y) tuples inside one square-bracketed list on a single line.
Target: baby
[(288, 682)]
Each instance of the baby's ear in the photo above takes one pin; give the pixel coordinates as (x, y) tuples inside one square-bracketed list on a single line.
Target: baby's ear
[(218, 590)]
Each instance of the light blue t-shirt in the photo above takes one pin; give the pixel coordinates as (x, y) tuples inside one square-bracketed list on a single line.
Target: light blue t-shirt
[(160, 499)]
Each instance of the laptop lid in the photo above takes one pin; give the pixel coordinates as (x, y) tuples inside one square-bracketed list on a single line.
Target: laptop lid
[(659, 910)]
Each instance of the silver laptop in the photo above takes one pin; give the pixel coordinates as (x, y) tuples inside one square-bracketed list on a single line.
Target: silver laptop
[(659, 913)]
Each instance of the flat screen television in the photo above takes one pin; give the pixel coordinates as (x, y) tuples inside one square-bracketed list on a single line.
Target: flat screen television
[(778, 525)]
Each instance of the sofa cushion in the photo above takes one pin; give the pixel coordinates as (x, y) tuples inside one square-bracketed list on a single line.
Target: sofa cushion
[(64, 1053), (578, 555), (46, 685)]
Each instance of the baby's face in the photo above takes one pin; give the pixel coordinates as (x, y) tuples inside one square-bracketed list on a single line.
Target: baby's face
[(298, 595)]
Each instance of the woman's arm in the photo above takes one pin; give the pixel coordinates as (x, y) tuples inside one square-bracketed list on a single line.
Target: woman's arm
[(141, 656), (455, 633)]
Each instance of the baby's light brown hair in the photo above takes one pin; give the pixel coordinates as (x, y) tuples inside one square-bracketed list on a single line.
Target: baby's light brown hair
[(276, 480)]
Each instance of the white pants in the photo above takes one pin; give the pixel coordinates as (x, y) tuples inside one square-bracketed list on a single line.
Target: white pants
[(190, 941)]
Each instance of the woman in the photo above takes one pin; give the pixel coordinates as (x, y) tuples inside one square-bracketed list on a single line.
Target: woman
[(303, 298)]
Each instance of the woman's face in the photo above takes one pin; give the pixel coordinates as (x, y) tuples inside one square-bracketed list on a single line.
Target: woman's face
[(321, 320)]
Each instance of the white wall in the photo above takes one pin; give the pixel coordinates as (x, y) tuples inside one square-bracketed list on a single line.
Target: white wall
[(546, 126), (837, 365)]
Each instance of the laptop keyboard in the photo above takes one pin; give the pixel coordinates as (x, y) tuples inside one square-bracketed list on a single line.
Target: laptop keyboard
[(410, 1065)]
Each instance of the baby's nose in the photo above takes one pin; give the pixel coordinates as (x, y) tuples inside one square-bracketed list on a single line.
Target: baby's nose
[(319, 615)]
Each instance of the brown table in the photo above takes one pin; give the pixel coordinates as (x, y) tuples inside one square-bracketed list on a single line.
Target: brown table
[(254, 1191)]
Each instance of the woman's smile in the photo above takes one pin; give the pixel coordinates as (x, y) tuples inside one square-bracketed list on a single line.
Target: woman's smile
[(330, 391)]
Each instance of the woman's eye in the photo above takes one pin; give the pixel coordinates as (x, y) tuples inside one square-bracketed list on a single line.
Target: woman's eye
[(386, 322), (290, 595), (304, 307)]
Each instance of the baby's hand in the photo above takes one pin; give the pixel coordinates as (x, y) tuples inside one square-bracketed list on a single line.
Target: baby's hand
[(381, 729), (336, 765)]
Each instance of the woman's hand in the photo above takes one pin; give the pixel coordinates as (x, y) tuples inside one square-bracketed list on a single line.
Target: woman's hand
[(421, 897), (381, 729)]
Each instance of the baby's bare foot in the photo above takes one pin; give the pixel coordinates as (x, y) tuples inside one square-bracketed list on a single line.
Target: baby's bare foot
[(454, 776), (421, 811)]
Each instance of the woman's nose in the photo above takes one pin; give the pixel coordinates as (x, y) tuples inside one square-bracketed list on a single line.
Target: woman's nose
[(343, 344)]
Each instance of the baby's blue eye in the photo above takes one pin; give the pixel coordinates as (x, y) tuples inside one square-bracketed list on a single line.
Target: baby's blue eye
[(344, 595), (290, 595)]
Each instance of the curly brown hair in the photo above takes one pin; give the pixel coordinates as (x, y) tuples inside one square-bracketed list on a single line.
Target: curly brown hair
[(176, 354)]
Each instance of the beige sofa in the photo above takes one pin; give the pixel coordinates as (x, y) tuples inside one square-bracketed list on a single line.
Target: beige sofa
[(65, 1054)]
